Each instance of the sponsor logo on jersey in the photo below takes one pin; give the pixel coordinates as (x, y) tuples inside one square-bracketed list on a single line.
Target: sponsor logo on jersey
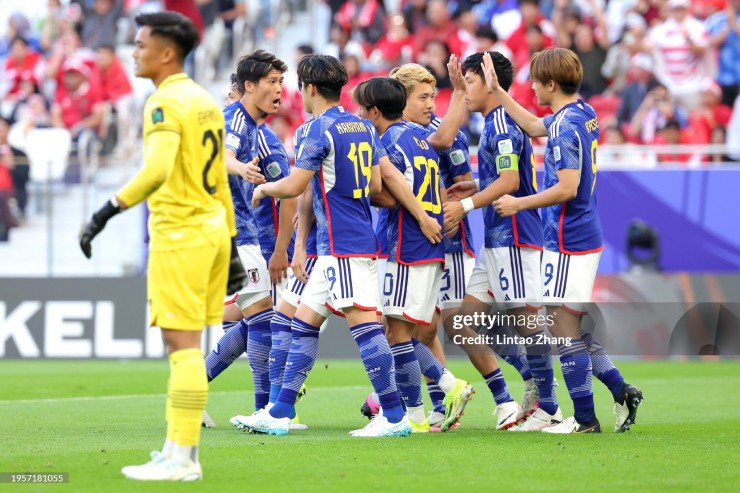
[(505, 147), (273, 169), (157, 115), (457, 157)]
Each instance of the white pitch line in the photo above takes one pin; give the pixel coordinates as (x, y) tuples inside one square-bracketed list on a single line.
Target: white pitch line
[(160, 396)]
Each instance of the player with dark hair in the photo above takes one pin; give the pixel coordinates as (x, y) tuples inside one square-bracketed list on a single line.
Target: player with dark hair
[(259, 78), (340, 155), (184, 180), (412, 260), (573, 238), (507, 268)]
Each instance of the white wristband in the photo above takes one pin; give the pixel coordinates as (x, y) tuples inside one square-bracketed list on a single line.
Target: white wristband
[(477, 184), (467, 204)]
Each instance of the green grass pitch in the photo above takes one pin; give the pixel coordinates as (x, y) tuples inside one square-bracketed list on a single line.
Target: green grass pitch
[(90, 418)]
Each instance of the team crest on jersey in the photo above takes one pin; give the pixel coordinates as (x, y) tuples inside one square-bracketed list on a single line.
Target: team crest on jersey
[(254, 275), (273, 169), (157, 115), (457, 157), (505, 147)]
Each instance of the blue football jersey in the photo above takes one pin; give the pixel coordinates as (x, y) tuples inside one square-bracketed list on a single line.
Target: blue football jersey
[(341, 148), (454, 162), (573, 227), (381, 232), (500, 139), (415, 158), (311, 239), (274, 166), (241, 138)]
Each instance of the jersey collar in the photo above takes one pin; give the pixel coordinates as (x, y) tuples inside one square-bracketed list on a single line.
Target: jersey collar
[(173, 78), (579, 103)]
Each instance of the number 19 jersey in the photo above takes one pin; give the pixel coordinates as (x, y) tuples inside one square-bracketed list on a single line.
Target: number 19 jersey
[(341, 148)]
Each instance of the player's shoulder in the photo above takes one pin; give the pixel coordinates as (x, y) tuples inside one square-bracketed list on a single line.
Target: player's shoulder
[(269, 143), (237, 119)]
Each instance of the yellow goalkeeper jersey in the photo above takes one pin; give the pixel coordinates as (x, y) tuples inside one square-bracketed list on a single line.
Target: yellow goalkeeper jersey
[(194, 199)]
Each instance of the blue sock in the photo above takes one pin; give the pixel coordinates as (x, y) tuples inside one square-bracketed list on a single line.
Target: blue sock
[(378, 360), (258, 352), (408, 374), (576, 365), (436, 396), (231, 345), (429, 364), (304, 347), (281, 339), (510, 354), (497, 385), (540, 363), (603, 367)]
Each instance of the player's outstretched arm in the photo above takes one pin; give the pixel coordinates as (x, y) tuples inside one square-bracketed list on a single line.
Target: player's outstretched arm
[(443, 138), (564, 190), (249, 171), (455, 210), (159, 161), (279, 261), (379, 195), (398, 187), (532, 126), (306, 219), (286, 188)]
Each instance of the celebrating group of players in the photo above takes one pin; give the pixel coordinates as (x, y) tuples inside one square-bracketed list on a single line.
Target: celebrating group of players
[(419, 260)]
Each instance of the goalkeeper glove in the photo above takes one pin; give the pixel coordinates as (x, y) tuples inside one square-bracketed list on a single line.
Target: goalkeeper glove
[(237, 275), (96, 224)]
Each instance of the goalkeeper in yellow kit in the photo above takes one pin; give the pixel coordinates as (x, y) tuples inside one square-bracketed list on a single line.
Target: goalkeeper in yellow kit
[(192, 217)]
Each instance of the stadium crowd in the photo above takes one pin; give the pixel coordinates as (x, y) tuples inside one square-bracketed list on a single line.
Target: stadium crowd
[(656, 71)]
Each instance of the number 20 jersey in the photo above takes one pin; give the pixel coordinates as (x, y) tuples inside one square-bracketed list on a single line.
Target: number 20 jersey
[(341, 148), (412, 155)]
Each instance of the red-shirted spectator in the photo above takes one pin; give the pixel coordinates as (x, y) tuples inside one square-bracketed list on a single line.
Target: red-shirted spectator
[(352, 66), (21, 66), (78, 104), (395, 48), (671, 134), (531, 15), (189, 9), (364, 18), (440, 28), (710, 115), (114, 82)]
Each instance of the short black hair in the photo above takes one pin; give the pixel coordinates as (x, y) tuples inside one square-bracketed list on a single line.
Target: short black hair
[(257, 65), (671, 124), (234, 81), (18, 39), (486, 32), (306, 49), (501, 64), (384, 93), (173, 26), (325, 73)]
